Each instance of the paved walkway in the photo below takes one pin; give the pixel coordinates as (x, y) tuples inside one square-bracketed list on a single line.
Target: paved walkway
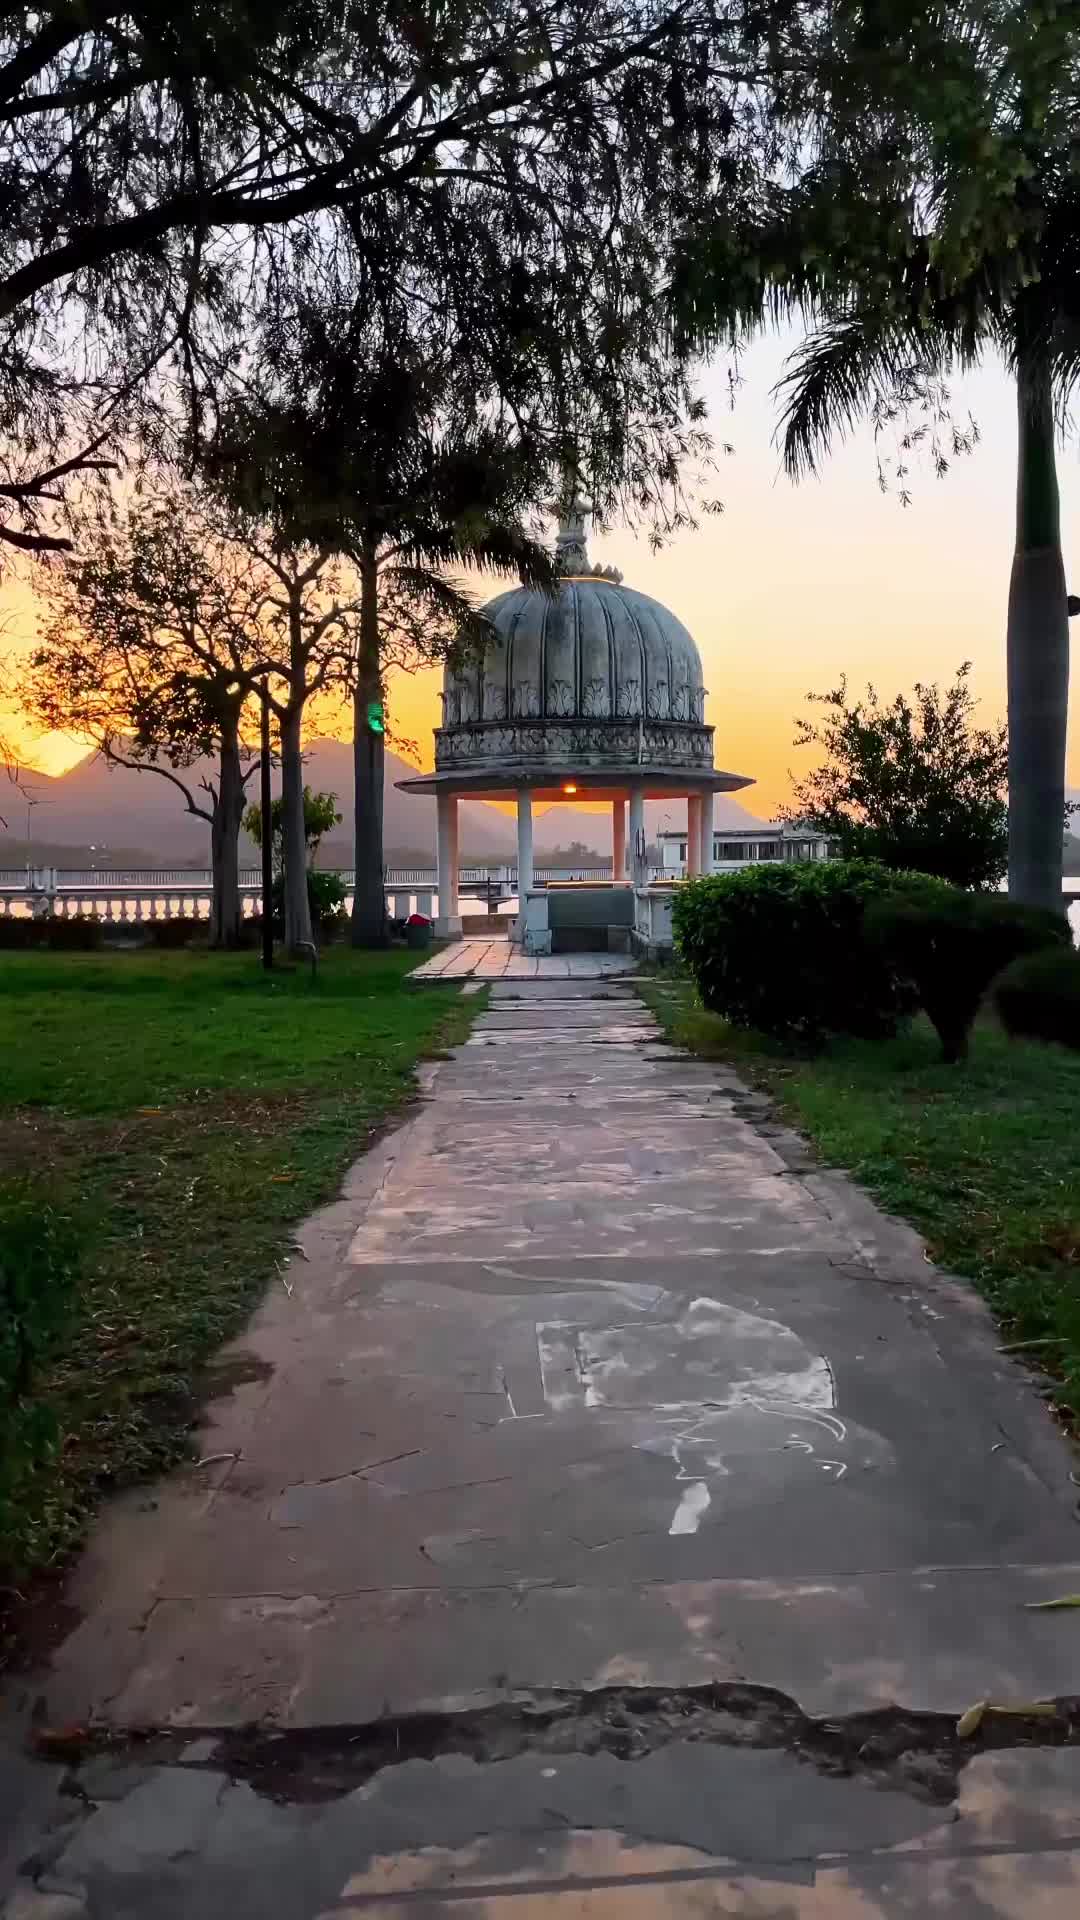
[(589, 1381), (499, 960)]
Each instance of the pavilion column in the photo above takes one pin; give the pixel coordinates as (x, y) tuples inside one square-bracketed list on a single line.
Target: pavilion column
[(618, 840), (706, 857), (637, 834), (524, 849), (693, 835), (449, 919)]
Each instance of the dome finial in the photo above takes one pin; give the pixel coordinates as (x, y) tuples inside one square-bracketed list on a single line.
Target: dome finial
[(571, 549)]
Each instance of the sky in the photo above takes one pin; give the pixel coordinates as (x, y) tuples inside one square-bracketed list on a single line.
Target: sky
[(795, 585)]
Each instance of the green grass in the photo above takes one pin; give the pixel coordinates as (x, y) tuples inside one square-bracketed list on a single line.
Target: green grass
[(984, 1158), (184, 1111)]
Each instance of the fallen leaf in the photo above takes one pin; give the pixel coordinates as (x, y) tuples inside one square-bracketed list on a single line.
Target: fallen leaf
[(972, 1720), (1052, 1606)]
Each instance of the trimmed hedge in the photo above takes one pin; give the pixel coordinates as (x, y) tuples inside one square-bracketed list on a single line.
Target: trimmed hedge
[(75, 933), (1038, 997), (39, 1259), (170, 935), (782, 948), (950, 945)]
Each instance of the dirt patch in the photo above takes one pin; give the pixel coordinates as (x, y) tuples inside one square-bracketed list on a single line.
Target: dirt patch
[(34, 1619), (37, 1140)]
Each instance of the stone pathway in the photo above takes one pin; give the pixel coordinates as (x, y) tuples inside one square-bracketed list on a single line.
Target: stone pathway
[(591, 1380), (499, 960)]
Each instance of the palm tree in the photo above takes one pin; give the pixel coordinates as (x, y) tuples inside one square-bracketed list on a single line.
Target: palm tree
[(370, 448), (862, 354), (444, 499), (935, 219)]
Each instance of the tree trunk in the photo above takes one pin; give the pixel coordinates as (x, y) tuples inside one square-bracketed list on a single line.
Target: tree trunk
[(298, 930), (225, 840), (369, 896), (1038, 652)]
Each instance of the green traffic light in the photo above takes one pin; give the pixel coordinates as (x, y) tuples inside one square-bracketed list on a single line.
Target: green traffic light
[(375, 719)]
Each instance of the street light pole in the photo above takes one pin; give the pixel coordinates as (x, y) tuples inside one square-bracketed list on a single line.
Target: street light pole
[(267, 832)]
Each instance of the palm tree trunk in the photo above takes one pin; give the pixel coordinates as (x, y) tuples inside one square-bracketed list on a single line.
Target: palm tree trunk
[(225, 839), (1038, 652), (369, 897)]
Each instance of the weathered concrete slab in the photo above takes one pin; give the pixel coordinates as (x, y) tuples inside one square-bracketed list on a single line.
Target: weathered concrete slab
[(571, 1393), (679, 1835), (591, 1378)]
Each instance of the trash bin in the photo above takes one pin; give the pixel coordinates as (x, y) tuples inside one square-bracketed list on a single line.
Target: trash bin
[(417, 931)]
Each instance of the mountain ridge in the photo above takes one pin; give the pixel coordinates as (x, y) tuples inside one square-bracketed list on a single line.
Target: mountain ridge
[(108, 814)]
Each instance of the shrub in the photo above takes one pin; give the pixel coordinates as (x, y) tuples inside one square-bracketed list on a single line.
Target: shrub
[(1038, 997), (38, 1272), (326, 893), (326, 898), (782, 948), (950, 945), (80, 933), (171, 934), (19, 933)]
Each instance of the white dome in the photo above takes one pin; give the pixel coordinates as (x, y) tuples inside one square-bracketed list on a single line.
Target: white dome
[(594, 677), (594, 651)]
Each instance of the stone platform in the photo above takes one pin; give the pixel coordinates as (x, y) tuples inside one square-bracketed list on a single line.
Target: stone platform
[(495, 959)]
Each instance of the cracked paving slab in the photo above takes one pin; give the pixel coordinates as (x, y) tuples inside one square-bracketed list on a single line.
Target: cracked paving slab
[(591, 1378)]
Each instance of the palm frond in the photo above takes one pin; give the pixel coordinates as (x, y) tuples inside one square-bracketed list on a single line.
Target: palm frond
[(447, 599), (849, 370), (830, 383), (479, 542)]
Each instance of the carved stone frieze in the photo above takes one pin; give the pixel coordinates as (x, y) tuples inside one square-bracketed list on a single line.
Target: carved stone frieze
[(569, 743)]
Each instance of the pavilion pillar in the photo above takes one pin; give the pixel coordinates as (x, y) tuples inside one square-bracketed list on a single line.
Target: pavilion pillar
[(618, 841), (524, 847), (705, 862), (637, 835), (693, 835), (448, 923)]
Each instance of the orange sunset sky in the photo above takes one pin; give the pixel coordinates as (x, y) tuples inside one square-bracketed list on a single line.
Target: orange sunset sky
[(796, 585)]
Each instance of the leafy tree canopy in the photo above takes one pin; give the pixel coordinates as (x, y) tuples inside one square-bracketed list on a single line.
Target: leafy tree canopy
[(320, 815), (909, 782), (163, 167)]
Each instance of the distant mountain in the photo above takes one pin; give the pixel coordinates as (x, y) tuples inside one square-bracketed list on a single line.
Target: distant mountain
[(114, 816), (16, 851)]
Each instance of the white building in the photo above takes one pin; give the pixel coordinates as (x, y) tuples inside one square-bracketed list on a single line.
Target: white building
[(735, 847)]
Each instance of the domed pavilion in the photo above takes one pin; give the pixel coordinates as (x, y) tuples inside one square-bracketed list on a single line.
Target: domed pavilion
[(593, 693)]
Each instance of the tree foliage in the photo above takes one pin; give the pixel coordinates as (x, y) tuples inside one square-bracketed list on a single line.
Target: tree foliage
[(935, 223), (320, 817), (910, 782), (367, 440), (151, 646), (163, 168)]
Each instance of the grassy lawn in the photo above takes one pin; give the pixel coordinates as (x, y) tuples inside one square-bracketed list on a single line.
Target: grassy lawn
[(183, 1111), (984, 1159)]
